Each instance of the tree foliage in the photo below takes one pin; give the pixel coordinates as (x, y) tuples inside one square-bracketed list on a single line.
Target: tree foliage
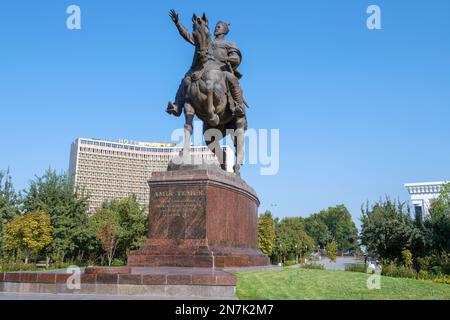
[(296, 236), (31, 232), (291, 238), (9, 202), (341, 227), (317, 229), (332, 249), (133, 221), (55, 194), (9, 198), (389, 232), (438, 223), (407, 258), (387, 229), (118, 227), (266, 233), (108, 231)]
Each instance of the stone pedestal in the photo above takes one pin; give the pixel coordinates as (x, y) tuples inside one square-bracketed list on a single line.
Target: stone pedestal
[(200, 217)]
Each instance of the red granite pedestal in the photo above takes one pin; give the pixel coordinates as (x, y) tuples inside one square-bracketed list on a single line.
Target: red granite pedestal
[(200, 217)]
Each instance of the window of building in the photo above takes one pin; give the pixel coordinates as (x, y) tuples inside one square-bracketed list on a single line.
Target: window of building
[(418, 209)]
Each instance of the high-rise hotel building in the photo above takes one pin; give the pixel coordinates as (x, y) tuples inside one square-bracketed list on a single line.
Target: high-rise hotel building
[(109, 170)]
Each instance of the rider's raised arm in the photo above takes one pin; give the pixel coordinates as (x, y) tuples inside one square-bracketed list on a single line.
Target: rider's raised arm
[(184, 33), (182, 30)]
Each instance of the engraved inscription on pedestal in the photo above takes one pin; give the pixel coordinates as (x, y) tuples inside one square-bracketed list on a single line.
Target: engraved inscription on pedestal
[(177, 214)]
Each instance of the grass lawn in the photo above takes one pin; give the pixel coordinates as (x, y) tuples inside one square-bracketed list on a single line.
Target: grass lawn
[(310, 284)]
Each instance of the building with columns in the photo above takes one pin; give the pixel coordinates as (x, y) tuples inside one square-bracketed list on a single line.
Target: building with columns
[(109, 170), (423, 193)]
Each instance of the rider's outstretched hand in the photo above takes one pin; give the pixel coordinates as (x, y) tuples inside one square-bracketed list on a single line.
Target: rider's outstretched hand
[(174, 16)]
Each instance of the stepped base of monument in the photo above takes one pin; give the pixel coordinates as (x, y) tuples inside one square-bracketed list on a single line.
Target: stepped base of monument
[(196, 254), (157, 282)]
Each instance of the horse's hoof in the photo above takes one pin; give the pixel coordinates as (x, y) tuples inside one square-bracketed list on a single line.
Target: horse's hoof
[(214, 121), (172, 109)]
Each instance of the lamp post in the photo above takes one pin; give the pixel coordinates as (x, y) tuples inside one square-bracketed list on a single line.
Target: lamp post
[(296, 254)]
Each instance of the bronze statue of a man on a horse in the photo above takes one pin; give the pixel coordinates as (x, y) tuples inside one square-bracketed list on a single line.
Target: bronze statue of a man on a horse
[(211, 89)]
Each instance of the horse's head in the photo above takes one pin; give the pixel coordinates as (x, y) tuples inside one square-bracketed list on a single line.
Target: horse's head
[(202, 36)]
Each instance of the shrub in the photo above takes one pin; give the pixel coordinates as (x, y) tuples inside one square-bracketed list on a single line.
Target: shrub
[(392, 270), (60, 265), (118, 263), (439, 278), (16, 266), (436, 270), (442, 261), (356, 267), (442, 279), (423, 263), (423, 274), (407, 258), (435, 263), (389, 269), (331, 250), (406, 272)]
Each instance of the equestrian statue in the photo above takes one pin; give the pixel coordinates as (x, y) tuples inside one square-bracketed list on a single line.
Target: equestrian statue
[(211, 89)]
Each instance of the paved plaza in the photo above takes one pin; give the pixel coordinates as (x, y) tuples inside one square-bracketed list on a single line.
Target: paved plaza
[(340, 263)]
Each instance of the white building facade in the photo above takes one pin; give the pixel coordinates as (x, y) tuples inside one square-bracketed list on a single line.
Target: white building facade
[(423, 193), (109, 170)]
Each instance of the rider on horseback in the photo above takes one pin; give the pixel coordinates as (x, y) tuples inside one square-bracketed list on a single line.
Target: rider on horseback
[(226, 54)]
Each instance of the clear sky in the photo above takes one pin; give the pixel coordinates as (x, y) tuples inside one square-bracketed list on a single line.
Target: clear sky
[(360, 112)]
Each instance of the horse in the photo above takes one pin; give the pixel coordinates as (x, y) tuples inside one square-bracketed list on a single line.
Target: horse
[(207, 96)]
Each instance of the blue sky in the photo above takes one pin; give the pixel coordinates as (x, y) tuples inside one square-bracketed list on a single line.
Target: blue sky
[(360, 112)]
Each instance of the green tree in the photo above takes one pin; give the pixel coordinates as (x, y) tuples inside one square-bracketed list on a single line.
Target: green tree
[(108, 231), (31, 232), (317, 229), (423, 242), (266, 233), (291, 239), (9, 203), (331, 250), (133, 220), (341, 227), (387, 229), (55, 194), (438, 223)]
